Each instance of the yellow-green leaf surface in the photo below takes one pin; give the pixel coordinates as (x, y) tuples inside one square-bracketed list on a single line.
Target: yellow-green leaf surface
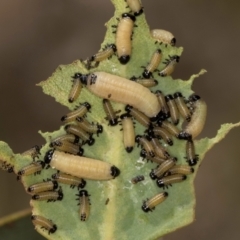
[(122, 218)]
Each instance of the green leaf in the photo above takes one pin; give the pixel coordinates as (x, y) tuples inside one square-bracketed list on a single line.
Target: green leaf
[(122, 217)]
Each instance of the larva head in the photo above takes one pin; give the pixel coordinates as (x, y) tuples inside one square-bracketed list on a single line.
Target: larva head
[(184, 135), (48, 156), (169, 98), (175, 58), (113, 46), (55, 184), (145, 208), (146, 74), (53, 229), (55, 176), (128, 108), (91, 141), (159, 116), (169, 142), (177, 94), (143, 153), (35, 197), (99, 128), (82, 184), (80, 152), (150, 132), (173, 41), (30, 189), (124, 59), (115, 171), (152, 175), (113, 122), (125, 115), (138, 12), (137, 138), (83, 78), (192, 162), (160, 183), (194, 98), (77, 76), (129, 149), (87, 105), (128, 15), (83, 193), (60, 194)]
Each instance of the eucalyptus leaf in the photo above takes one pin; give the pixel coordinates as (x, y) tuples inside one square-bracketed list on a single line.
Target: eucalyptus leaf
[(116, 204)]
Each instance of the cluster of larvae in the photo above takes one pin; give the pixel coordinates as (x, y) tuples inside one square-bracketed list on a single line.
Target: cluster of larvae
[(159, 114)]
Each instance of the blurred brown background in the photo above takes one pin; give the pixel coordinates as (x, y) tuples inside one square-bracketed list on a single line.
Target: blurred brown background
[(38, 35)]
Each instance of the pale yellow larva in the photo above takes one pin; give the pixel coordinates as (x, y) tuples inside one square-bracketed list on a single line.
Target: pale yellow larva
[(198, 119), (123, 37), (163, 36), (81, 166), (135, 7), (153, 64), (128, 132), (119, 89), (75, 90)]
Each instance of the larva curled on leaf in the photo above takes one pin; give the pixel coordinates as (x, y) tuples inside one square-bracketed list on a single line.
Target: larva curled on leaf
[(198, 119), (163, 36), (119, 89)]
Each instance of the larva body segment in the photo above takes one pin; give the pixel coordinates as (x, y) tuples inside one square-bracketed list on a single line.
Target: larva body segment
[(49, 196), (5, 166), (169, 180), (137, 179), (107, 52), (110, 113), (33, 168), (43, 187), (174, 113), (79, 112), (182, 107), (139, 116), (123, 37), (119, 89), (162, 168), (69, 180), (128, 132), (33, 152), (44, 223), (75, 90), (180, 169), (170, 66), (198, 119), (84, 202), (191, 157), (146, 82), (151, 203), (135, 7), (163, 36), (81, 167), (153, 64)]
